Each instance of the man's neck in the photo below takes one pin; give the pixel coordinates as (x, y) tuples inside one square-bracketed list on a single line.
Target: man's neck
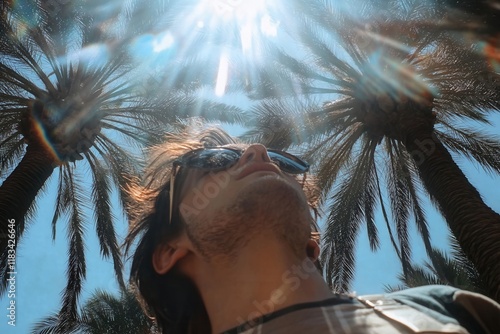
[(264, 279)]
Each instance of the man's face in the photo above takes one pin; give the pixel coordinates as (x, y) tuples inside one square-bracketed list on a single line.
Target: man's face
[(224, 210)]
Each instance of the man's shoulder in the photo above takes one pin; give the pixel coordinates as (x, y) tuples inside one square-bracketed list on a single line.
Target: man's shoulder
[(441, 292), (473, 311), (429, 309), (435, 297)]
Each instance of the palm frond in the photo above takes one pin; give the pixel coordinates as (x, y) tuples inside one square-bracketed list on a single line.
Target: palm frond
[(406, 173), (386, 219), (76, 271), (62, 203), (343, 222), (474, 145), (281, 124), (400, 200), (337, 156), (123, 168), (441, 269), (104, 219), (106, 313), (49, 325), (11, 151)]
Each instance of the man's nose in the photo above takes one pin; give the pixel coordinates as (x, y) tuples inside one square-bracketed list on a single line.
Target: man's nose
[(257, 152)]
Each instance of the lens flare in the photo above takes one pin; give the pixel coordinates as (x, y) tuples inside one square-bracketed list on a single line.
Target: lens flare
[(163, 42), (222, 75), (38, 131), (492, 52), (93, 54), (239, 9), (268, 26), (227, 28)]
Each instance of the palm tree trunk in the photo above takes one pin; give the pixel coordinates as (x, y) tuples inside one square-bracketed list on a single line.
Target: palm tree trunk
[(18, 193), (475, 225)]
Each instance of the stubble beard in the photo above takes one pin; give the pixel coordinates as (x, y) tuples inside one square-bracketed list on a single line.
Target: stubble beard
[(269, 206)]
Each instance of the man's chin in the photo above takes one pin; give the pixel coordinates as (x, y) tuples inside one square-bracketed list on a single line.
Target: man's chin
[(273, 197), (265, 204), (279, 207), (276, 187)]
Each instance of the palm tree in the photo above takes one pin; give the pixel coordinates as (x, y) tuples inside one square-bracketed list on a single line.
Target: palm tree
[(104, 313), (456, 271), (69, 100), (481, 17), (396, 98), (55, 106)]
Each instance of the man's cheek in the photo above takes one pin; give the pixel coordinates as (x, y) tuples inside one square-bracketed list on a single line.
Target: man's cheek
[(188, 212)]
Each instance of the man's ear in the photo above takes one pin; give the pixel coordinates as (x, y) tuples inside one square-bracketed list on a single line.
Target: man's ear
[(312, 250), (166, 256)]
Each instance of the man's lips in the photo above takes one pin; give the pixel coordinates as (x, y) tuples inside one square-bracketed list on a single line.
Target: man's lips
[(257, 167)]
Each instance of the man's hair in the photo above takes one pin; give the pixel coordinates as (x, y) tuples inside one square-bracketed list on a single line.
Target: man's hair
[(171, 298)]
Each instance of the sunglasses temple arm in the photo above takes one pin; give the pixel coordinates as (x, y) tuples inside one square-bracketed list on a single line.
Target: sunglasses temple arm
[(171, 194)]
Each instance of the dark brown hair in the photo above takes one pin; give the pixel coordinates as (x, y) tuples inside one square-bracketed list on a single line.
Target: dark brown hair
[(172, 299)]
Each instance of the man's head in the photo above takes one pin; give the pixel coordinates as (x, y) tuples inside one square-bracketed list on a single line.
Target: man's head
[(221, 199)]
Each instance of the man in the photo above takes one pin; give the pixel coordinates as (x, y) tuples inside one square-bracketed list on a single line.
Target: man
[(228, 245)]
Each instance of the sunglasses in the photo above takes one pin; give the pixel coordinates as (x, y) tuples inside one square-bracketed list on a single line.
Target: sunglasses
[(220, 158)]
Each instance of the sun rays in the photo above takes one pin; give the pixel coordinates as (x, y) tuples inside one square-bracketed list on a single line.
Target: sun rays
[(221, 34)]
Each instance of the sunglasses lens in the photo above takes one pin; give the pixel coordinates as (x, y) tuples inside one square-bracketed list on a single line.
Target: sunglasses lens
[(290, 165), (213, 159), (221, 158)]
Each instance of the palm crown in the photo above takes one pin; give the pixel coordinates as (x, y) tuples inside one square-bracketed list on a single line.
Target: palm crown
[(69, 98), (397, 94)]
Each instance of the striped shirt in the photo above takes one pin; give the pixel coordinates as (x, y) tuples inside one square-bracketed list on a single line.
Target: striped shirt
[(430, 309)]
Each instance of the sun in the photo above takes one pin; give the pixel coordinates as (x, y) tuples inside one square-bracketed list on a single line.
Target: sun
[(247, 14), (229, 29), (253, 21), (236, 8)]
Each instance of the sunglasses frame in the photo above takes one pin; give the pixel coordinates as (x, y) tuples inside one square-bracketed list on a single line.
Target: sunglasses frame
[(182, 162)]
